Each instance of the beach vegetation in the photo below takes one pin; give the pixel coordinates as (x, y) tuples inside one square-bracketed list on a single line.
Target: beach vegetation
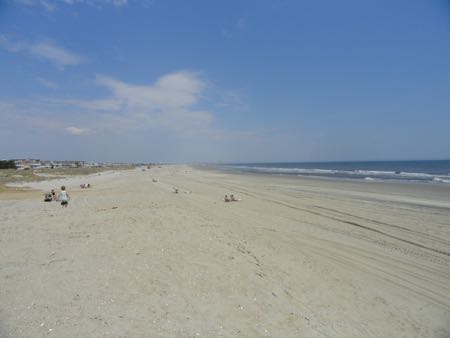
[(13, 175), (7, 164)]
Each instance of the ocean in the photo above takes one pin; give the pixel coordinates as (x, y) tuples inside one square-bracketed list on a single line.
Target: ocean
[(436, 172)]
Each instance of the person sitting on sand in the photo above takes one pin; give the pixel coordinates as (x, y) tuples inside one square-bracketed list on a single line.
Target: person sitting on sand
[(48, 197), (227, 199), (234, 199), (54, 196), (64, 197)]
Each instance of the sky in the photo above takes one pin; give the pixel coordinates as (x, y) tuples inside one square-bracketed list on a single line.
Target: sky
[(224, 81)]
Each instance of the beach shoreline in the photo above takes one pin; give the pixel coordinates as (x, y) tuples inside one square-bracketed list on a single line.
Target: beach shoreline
[(295, 257)]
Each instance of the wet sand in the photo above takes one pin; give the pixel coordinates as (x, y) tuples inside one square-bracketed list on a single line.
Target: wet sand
[(294, 258)]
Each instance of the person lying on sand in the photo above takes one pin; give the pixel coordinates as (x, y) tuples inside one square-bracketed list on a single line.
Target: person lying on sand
[(234, 199)]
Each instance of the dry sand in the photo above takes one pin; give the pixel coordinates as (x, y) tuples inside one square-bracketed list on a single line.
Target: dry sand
[(295, 258)]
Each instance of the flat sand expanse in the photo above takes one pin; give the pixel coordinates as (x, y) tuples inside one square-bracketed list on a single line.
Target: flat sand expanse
[(294, 258)]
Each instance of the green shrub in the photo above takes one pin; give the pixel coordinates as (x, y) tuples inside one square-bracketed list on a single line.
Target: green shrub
[(8, 164)]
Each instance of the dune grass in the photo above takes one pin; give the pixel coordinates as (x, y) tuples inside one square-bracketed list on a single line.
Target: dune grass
[(12, 175)]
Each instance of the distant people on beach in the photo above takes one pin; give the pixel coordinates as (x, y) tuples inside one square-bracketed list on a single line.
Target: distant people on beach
[(64, 197), (231, 198), (85, 185), (48, 197)]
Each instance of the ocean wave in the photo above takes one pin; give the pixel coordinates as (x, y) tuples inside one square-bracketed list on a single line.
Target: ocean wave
[(416, 174), (339, 173), (372, 172), (439, 179)]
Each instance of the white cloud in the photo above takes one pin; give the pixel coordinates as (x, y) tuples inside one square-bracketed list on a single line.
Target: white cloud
[(174, 91), (44, 50), (77, 131), (168, 103)]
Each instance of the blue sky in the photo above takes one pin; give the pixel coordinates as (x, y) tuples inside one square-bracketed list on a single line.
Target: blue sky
[(184, 81)]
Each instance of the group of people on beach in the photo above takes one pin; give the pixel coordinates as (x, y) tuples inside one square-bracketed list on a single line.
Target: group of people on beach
[(62, 197), (231, 198)]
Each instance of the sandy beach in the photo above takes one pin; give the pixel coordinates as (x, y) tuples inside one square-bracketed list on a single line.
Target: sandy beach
[(295, 257)]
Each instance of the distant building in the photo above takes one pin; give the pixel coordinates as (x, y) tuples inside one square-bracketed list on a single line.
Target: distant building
[(27, 164)]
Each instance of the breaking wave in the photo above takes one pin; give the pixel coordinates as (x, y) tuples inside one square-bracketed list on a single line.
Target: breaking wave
[(349, 170)]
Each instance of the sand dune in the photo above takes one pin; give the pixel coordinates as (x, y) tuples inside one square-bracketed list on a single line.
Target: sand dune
[(294, 258)]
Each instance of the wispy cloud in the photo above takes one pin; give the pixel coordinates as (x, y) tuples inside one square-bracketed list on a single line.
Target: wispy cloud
[(47, 83), (116, 3), (48, 5), (167, 116), (25, 2), (170, 104), (238, 27), (12, 46), (55, 54), (46, 50), (77, 131), (51, 5)]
